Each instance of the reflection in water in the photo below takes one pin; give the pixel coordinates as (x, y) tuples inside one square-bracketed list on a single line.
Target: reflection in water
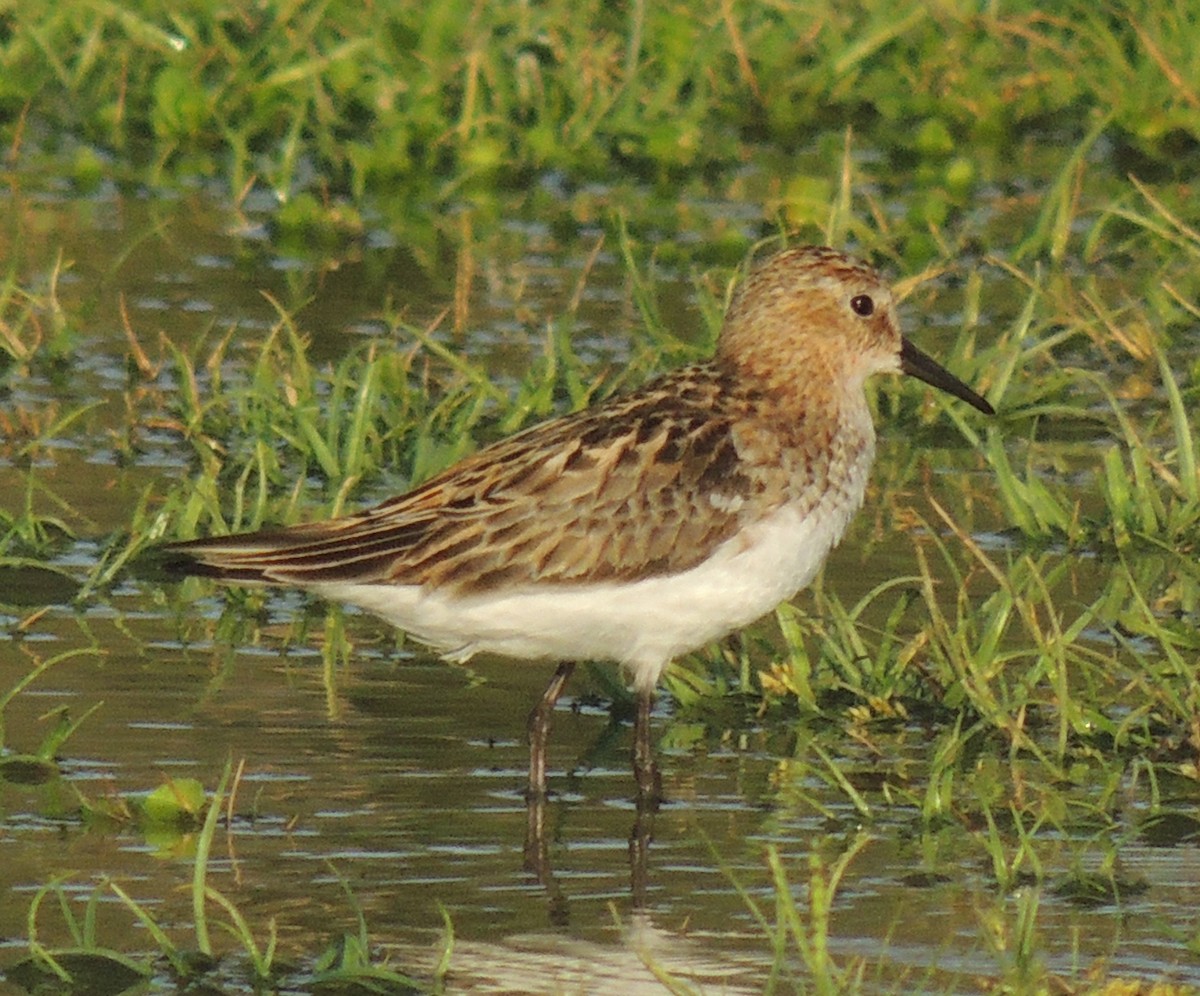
[(646, 955), (646, 777), (537, 853)]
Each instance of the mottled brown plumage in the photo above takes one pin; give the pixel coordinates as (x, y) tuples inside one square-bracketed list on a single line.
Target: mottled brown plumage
[(643, 485)]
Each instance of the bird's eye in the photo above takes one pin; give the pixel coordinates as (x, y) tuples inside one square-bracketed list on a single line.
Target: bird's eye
[(862, 305)]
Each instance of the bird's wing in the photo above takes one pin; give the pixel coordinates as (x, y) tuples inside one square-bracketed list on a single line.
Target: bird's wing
[(643, 485)]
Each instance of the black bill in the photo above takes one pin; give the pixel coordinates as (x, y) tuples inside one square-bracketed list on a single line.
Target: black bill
[(924, 367)]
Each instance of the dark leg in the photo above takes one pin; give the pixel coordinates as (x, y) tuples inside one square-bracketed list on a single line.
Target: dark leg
[(538, 728), (537, 859), (649, 794), (645, 771)]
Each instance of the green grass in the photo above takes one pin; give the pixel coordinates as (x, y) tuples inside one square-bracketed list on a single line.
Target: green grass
[(468, 93), (1028, 172), (330, 103)]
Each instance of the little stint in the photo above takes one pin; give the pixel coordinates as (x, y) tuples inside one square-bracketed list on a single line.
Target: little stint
[(641, 528)]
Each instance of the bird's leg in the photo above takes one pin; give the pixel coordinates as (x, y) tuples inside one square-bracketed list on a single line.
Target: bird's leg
[(538, 728), (645, 770), (649, 794), (537, 855)]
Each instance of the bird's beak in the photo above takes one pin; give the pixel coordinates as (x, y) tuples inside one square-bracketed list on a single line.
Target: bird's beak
[(924, 367)]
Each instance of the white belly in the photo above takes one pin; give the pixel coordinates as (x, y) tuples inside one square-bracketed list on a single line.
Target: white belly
[(641, 624)]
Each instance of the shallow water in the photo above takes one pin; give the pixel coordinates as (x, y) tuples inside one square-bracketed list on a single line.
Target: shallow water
[(401, 781), (399, 778)]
